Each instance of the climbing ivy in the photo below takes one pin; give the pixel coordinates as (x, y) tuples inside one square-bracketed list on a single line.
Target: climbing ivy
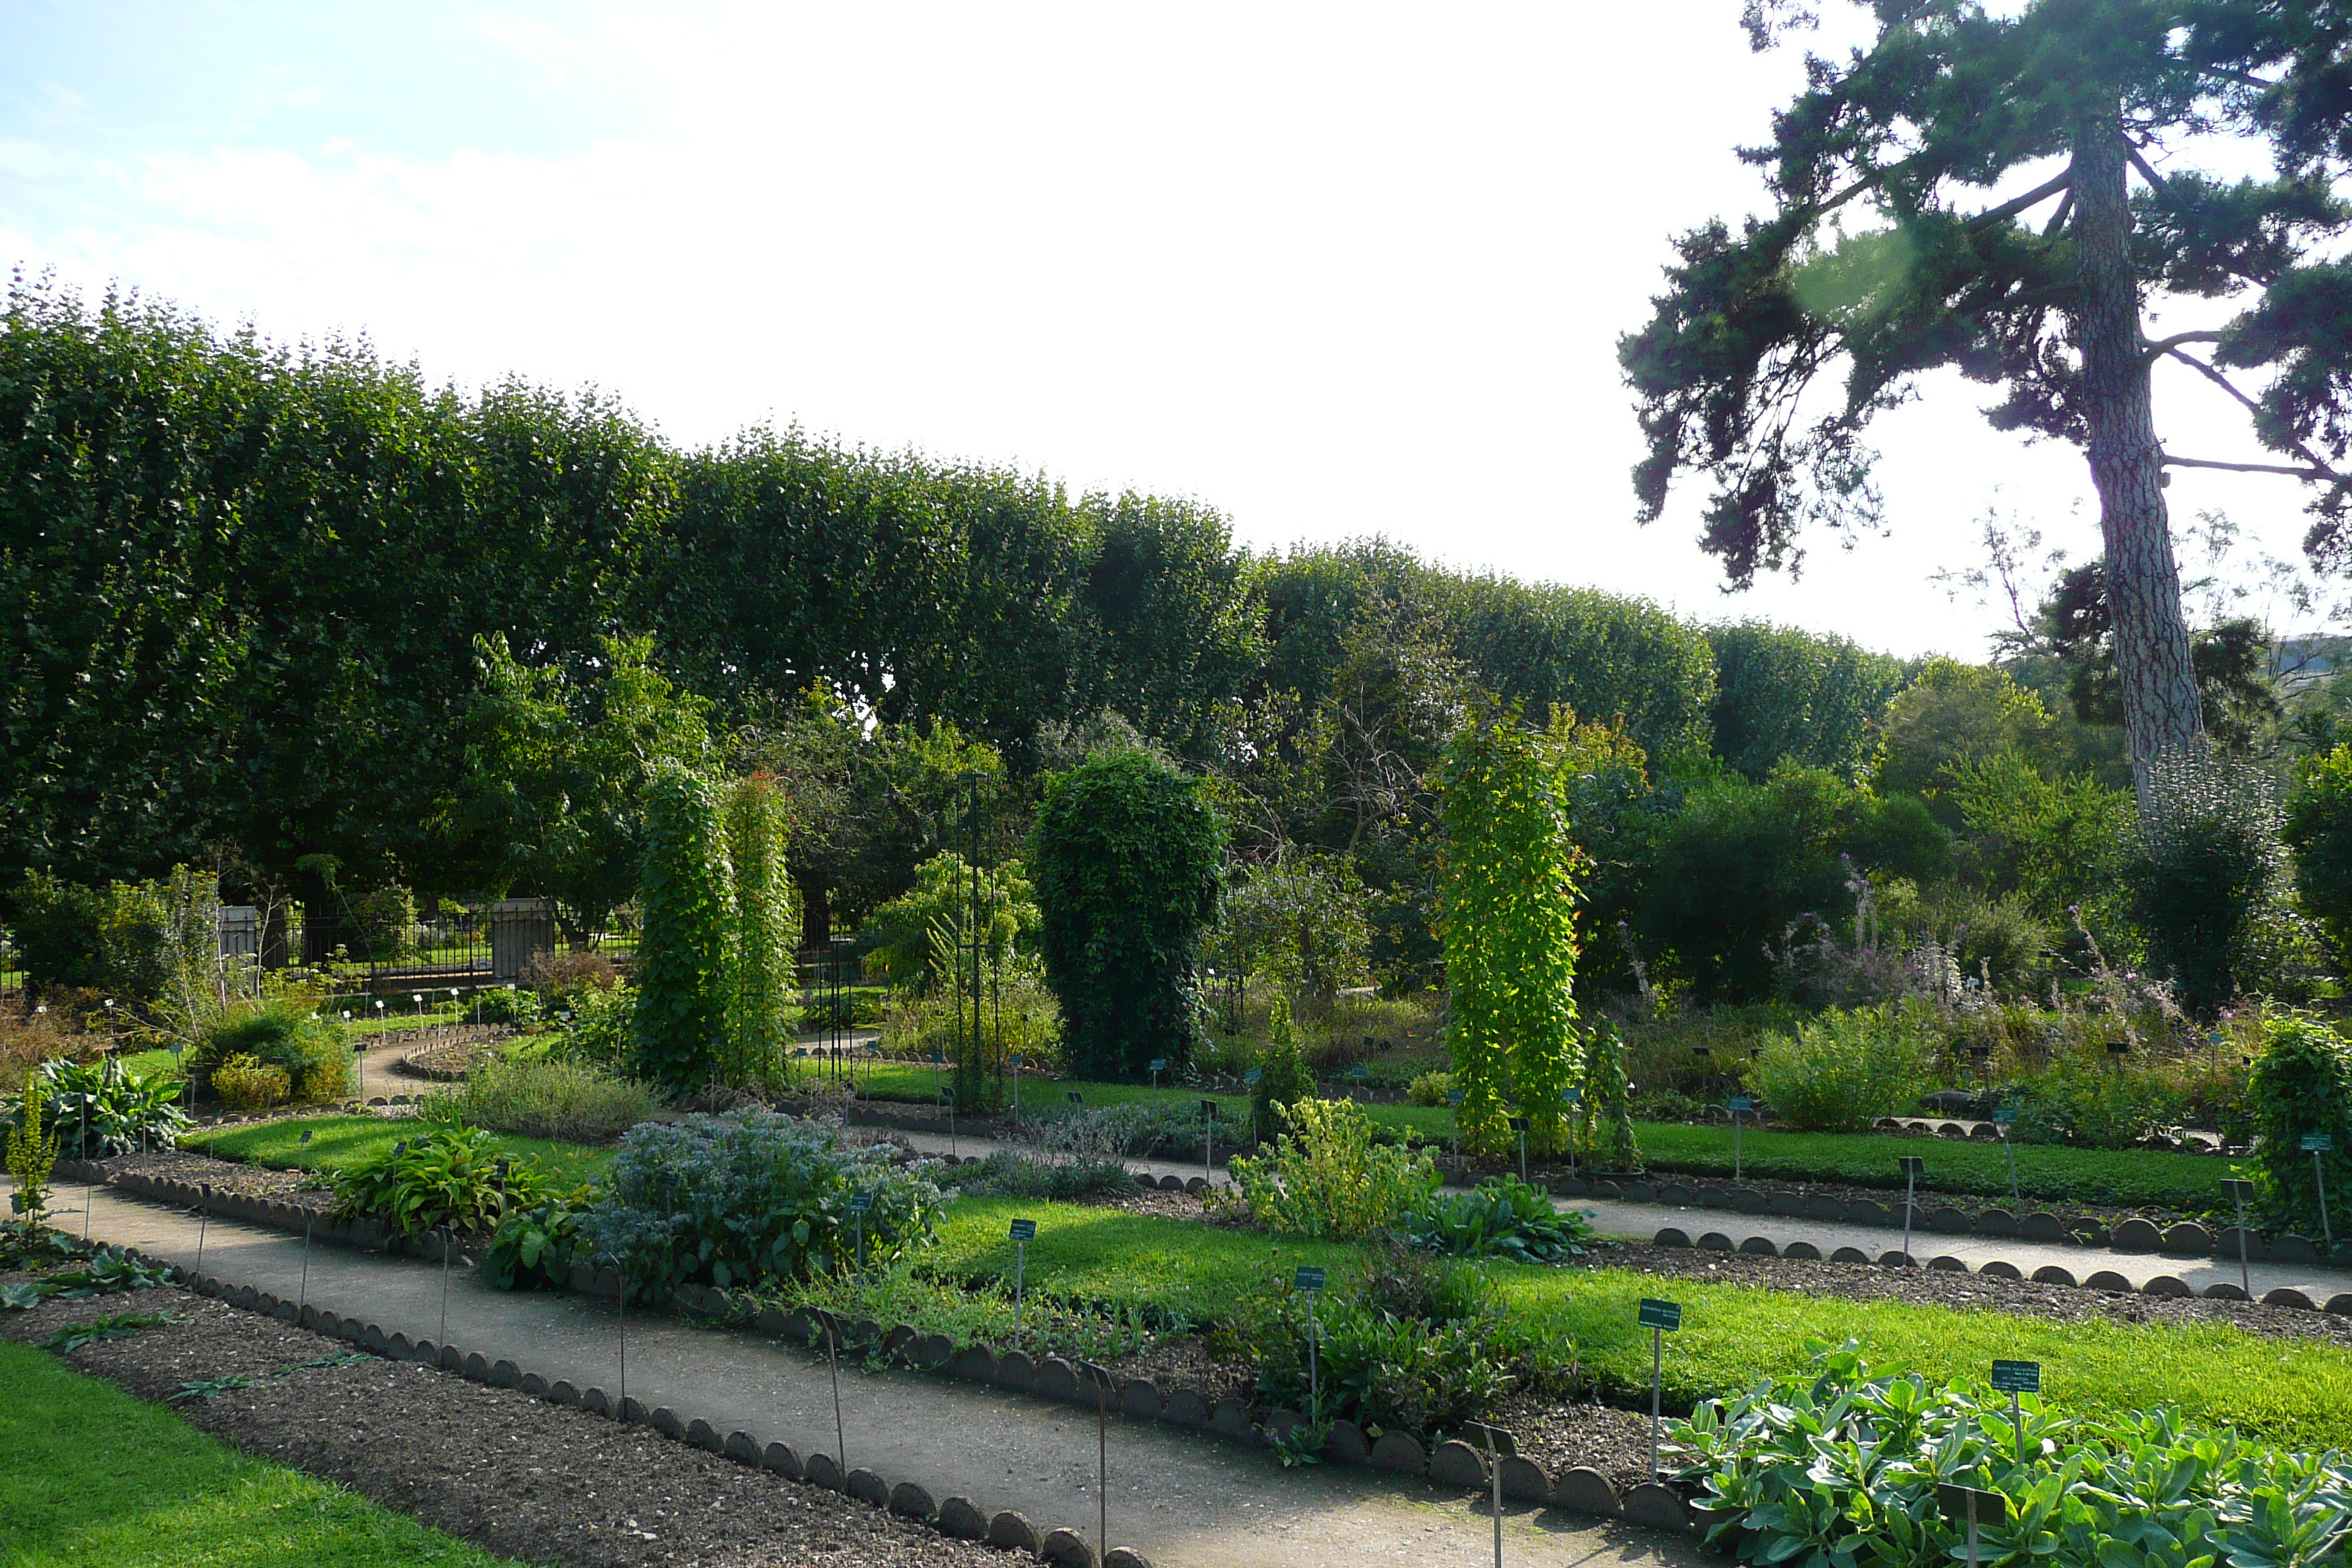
[(765, 929), (682, 951), (1507, 921)]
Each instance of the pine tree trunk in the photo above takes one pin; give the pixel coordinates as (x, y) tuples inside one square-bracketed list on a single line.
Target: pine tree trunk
[(2161, 711)]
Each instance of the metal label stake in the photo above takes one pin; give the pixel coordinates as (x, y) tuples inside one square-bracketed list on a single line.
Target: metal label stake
[(1661, 1318), (2013, 1378), (1098, 1378), (1519, 1126), (2318, 1144), (2006, 1118), (1159, 1066), (1739, 1102), (2241, 1191), (1024, 1231), (859, 1203), (1971, 1507), (1495, 1446), (1208, 1141), (1911, 1167), (1309, 1282), (445, 1284), (833, 1353)]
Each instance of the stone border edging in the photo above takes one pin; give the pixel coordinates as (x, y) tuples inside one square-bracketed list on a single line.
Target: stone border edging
[(2105, 1279)]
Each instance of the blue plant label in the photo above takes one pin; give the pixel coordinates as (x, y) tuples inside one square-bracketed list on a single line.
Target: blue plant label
[(1077, 1099), (1160, 1064), (1015, 1058), (1576, 1096), (1361, 1075), (2318, 1143), (939, 1058), (1913, 1165), (1452, 1097), (1025, 1230), (306, 1136), (1209, 1108), (860, 1202), (1309, 1279), (2005, 1117), (2017, 1376), (1741, 1102), (1519, 1124), (1254, 1075), (1666, 1315)]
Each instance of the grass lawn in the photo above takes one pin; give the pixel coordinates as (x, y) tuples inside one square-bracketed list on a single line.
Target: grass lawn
[(338, 1143), (2289, 1391), (101, 1480)]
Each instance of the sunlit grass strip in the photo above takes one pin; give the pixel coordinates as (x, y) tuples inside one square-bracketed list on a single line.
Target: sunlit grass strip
[(339, 1142), (95, 1478)]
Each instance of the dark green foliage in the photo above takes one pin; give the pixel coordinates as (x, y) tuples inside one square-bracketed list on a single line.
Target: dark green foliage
[(2302, 1084), (2085, 1489), (680, 1022), (1284, 1078), (2319, 831), (284, 1035), (1503, 1217), (2203, 874), (380, 926), (1006, 1175), (441, 1176), (733, 1201), (1127, 858), (99, 1110), (1783, 693), (535, 1247), (110, 938), (1779, 844)]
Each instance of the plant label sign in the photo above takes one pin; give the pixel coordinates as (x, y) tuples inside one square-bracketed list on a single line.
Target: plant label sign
[(1075, 1098), (2318, 1143), (1519, 1124), (1362, 1075), (1254, 1075), (1666, 1315), (1309, 1279), (1492, 1439), (859, 1203), (1452, 1097), (2005, 1117), (938, 1057), (1025, 1230), (1740, 1102), (1160, 1064), (1209, 1108), (2017, 1376)]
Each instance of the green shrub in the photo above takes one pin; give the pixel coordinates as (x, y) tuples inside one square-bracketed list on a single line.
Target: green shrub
[(440, 1176), (507, 1004), (247, 1084), (282, 1034), (97, 1109), (1848, 1068), (1008, 1174), (577, 1101), (114, 938), (735, 1200), (1126, 855), (1840, 1465), (1503, 1217), (2319, 830), (764, 929), (380, 926), (681, 1025), (2302, 1084), (2202, 874), (2089, 1099), (32, 1150), (534, 1246), (1326, 1178), (597, 1026), (1283, 1075), (1429, 1088)]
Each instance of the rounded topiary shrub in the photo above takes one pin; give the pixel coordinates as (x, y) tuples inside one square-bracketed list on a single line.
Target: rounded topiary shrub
[(1127, 859)]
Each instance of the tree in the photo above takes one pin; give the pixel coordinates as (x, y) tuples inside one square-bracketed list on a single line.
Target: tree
[(1951, 98), (920, 933), (1783, 693), (1301, 923), (1508, 921), (1955, 714), (2231, 659), (682, 894), (1127, 853)]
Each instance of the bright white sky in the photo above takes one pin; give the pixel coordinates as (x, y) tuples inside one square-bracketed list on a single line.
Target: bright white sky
[(1333, 269)]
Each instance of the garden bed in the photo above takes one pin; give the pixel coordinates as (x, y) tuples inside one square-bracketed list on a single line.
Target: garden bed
[(518, 1476)]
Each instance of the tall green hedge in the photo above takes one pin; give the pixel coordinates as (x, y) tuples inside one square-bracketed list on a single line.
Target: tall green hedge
[(1126, 856), (680, 1027)]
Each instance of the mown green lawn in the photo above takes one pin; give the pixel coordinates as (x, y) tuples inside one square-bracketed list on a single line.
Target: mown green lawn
[(96, 1478), (339, 1142), (2290, 1392)]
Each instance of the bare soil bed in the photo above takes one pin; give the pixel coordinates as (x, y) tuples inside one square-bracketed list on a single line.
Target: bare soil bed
[(513, 1474)]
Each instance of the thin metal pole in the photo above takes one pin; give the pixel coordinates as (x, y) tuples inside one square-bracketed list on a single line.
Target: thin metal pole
[(1020, 1273), (840, 1439), (1736, 1166), (2016, 1203), (445, 1285), (621, 1301), (2016, 1419), (304, 1298), (1494, 1473), (1657, 1367), (2245, 1270), (1910, 1181), (2319, 1176), (89, 1188), (203, 1220), (1972, 1527), (1102, 1475), (1314, 1369)]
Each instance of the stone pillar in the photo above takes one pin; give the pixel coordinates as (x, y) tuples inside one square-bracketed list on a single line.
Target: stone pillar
[(521, 930)]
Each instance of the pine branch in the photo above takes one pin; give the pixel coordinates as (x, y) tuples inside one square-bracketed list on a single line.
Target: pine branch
[(2319, 465), (2154, 179), (2016, 205), (2172, 462), (2156, 348)]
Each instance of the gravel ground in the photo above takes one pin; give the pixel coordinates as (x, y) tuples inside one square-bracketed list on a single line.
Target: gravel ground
[(513, 1474)]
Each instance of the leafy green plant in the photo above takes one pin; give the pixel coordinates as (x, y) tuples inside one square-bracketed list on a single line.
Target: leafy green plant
[(1283, 1078), (763, 929), (1605, 1112), (750, 1197), (535, 1246), (111, 1326), (206, 1388), (576, 1101), (597, 1026), (1010, 1175), (1502, 1217), (1848, 1068), (100, 1109), (2204, 873), (246, 1084), (1126, 852), (1510, 926), (104, 1271), (679, 1027), (1429, 1088), (2302, 1084), (285, 1033), (1326, 1178), (445, 1175), (32, 1152), (1839, 1466), (2319, 830)]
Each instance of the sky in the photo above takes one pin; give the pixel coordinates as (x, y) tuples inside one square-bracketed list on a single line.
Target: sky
[(1332, 270)]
